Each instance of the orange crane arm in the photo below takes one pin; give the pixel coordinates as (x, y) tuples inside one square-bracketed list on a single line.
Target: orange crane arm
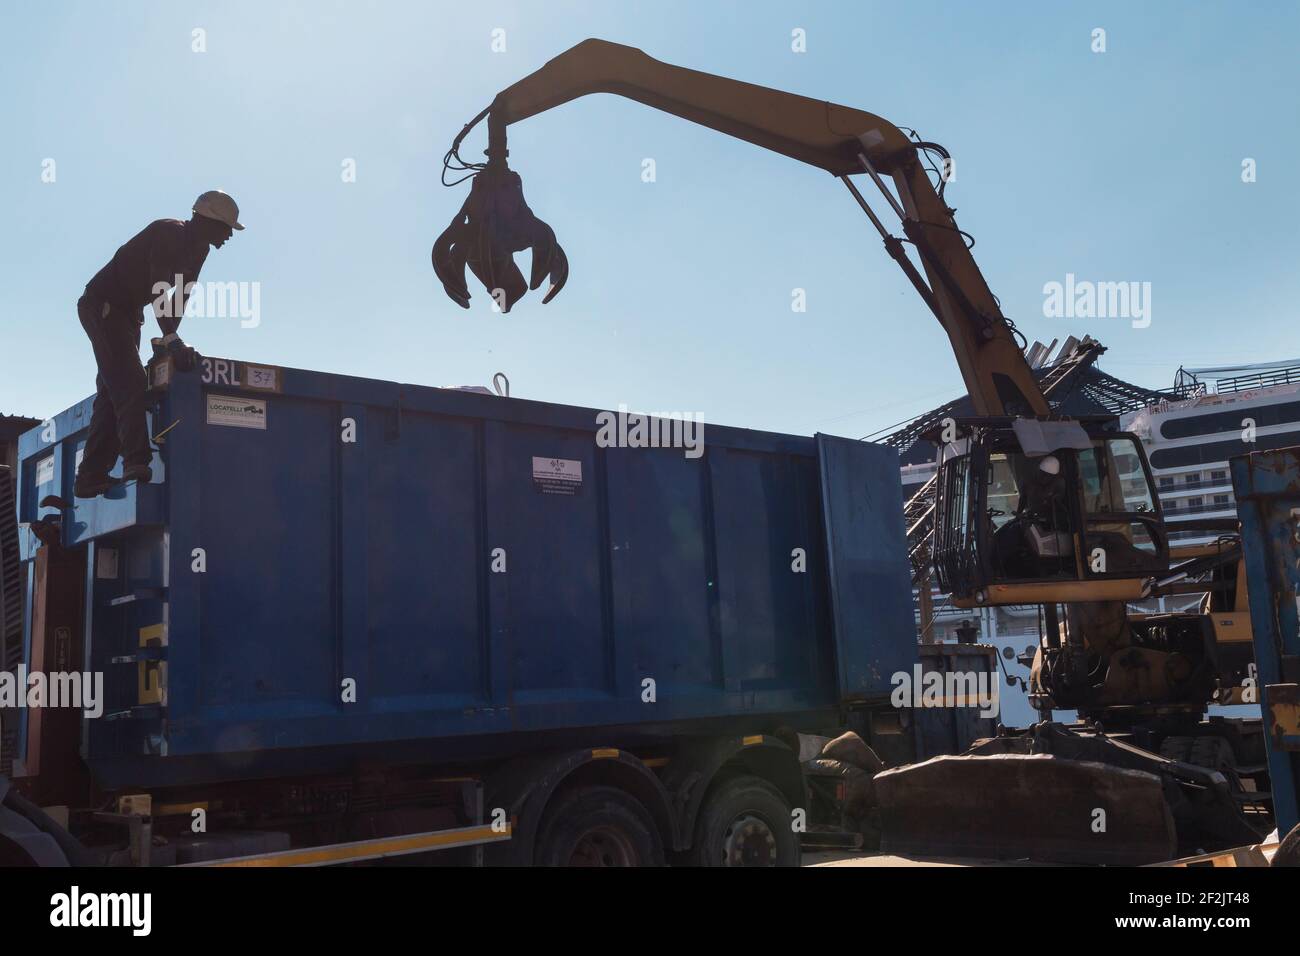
[(841, 140)]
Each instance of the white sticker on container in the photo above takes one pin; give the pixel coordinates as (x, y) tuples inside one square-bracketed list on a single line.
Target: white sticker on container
[(557, 476), (236, 412), (106, 564), (45, 471), (260, 376)]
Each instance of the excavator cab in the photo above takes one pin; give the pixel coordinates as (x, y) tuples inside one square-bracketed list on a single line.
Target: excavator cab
[(1025, 519)]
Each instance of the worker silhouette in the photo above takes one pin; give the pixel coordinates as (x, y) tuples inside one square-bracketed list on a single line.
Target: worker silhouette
[(163, 253), (1042, 501), (1036, 542), (1043, 491)]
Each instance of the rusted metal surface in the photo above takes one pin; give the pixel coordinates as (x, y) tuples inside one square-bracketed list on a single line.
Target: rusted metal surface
[(50, 771), (1282, 716), (1267, 487), (1033, 807)]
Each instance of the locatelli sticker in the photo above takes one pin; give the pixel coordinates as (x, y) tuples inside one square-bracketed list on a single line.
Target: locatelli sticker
[(236, 412), (557, 476)]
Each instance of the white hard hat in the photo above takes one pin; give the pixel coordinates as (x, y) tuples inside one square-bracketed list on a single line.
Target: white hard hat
[(1050, 465), (215, 204)]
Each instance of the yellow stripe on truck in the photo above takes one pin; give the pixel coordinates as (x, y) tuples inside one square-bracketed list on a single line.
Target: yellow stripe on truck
[(367, 849)]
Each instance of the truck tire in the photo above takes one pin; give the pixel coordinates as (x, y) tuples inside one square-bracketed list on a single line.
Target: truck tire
[(1214, 753), (597, 826), (745, 821), (1177, 748)]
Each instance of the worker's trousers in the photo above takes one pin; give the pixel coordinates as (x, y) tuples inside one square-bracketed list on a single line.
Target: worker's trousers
[(117, 424)]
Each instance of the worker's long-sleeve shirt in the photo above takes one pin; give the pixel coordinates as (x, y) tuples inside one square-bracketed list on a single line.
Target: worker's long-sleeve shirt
[(158, 253)]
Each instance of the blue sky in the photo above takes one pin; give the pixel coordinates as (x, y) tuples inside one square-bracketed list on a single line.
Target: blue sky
[(1121, 166)]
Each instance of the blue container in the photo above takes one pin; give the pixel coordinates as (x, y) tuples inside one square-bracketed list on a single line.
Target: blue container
[(1267, 487), (479, 570)]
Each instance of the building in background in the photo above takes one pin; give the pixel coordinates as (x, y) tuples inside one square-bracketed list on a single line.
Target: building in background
[(1223, 412)]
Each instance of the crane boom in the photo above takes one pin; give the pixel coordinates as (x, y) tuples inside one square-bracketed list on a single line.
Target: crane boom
[(839, 139)]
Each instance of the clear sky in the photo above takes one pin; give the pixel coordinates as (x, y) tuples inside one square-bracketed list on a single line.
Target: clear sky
[(1117, 166)]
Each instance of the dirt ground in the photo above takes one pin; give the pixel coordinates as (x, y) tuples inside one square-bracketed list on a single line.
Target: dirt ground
[(854, 858)]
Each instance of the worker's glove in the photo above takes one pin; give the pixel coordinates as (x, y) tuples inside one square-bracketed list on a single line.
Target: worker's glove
[(183, 357)]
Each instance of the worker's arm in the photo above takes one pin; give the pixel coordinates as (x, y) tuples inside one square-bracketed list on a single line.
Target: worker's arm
[(169, 318), (169, 321), (822, 134), (170, 310), (173, 261)]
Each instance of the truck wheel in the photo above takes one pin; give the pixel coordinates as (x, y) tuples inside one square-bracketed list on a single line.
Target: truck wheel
[(745, 822), (1177, 748), (598, 826), (1212, 752)]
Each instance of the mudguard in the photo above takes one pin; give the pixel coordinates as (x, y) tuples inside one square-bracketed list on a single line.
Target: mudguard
[(20, 836)]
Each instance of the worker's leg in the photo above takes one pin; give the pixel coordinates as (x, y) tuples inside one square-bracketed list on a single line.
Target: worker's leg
[(102, 445), (116, 339)]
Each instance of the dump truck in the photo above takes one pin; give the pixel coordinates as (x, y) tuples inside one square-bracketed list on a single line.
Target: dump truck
[(350, 620)]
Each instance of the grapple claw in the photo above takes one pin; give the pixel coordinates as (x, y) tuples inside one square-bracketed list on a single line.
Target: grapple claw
[(503, 280), (449, 264), (493, 224), (544, 247), (559, 274)]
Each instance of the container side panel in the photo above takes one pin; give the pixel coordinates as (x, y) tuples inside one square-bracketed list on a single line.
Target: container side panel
[(479, 566), (765, 507), (268, 502), (425, 636), (660, 563), (551, 533), (875, 630)]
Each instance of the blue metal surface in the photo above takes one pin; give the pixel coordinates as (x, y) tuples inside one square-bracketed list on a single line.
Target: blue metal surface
[(951, 730), (1267, 487), (862, 503), (372, 561)]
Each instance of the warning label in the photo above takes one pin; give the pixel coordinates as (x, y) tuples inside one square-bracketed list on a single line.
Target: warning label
[(45, 470), (236, 412), (557, 476)]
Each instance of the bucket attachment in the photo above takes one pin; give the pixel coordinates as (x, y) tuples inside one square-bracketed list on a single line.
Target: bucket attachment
[(1038, 807)]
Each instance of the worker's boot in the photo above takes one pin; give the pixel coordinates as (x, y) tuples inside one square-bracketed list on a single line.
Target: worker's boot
[(140, 473), (91, 486)]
